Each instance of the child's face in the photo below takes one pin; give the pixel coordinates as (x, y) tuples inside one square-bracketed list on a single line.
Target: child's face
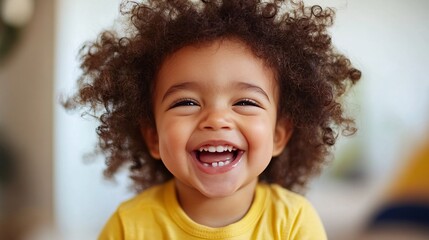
[(217, 97)]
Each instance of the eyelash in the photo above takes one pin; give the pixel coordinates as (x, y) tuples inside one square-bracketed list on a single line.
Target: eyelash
[(185, 102), (247, 102)]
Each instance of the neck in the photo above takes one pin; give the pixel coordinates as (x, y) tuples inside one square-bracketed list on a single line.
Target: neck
[(215, 212)]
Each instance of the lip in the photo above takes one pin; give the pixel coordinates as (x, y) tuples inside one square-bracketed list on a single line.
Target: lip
[(220, 169)]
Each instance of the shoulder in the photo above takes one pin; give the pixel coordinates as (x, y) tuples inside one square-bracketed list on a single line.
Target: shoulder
[(285, 198), (145, 198), (150, 198), (294, 212), (139, 215)]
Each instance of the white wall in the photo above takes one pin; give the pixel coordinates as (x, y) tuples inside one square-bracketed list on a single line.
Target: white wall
[(83, 200), (387, 40)]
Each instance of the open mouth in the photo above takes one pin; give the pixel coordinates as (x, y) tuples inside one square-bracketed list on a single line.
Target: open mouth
[(217, 156)]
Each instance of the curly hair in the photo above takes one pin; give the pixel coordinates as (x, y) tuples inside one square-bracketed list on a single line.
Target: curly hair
[(119, 71)]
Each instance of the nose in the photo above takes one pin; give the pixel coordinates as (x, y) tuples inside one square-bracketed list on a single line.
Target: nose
[(216, 119)]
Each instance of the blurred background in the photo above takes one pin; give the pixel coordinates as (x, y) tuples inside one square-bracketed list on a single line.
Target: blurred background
[(376, 188)]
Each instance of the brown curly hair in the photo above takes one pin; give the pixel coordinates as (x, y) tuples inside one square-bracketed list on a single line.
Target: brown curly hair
[(119, 72)]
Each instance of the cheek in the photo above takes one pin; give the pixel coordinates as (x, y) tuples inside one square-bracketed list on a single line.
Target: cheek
[(260, 140), (173, 135), (260, 134)]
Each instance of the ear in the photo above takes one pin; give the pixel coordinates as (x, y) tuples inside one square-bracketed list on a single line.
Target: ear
[(282, 134), (150, 136)]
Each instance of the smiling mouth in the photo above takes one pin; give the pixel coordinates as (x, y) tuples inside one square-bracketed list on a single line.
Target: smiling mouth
[(217, 156)]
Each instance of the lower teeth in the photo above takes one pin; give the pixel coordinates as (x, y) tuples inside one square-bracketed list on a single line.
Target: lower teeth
[(217, 164)]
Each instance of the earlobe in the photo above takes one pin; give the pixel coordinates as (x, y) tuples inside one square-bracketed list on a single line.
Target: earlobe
[(282, 134), (151, 138)]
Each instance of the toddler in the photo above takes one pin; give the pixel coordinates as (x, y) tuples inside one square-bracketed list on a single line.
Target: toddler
[(220, 109)]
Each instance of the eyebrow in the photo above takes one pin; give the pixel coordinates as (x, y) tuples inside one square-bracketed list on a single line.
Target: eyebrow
[(249, 86), (178, 87)]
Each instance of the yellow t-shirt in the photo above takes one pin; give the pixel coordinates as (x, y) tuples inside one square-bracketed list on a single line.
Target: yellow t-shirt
[(276, 213)]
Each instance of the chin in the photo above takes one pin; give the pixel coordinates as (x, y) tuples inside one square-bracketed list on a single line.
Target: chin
[(220, 190), (218, 194)]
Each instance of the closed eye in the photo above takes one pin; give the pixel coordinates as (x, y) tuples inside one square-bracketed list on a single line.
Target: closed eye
[(247, 102), (184, 103)]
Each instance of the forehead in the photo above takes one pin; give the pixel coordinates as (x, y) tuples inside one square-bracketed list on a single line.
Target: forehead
[(218, 59)]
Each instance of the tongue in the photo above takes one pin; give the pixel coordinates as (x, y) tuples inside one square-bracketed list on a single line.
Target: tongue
[(210, 157)]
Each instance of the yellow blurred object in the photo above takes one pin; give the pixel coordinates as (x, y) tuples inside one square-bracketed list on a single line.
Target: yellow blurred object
[(413, 181), (405, 213)]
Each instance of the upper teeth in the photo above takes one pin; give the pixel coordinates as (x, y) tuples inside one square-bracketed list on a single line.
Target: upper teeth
[(217, 148)]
